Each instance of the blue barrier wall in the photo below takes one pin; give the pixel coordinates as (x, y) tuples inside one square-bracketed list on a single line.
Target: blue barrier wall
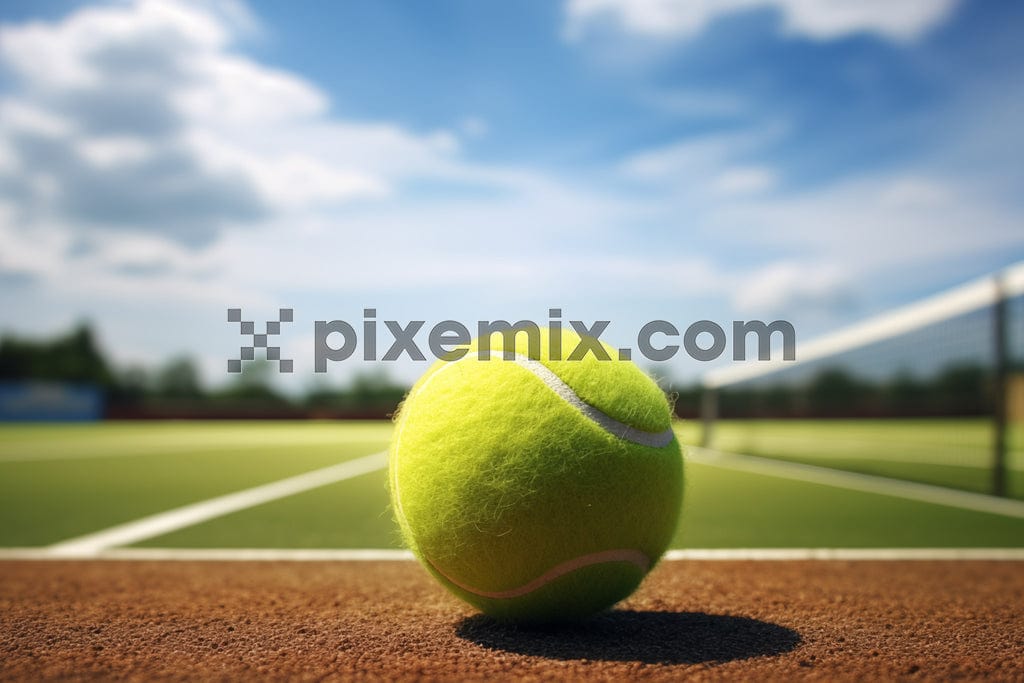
[(49, 402)]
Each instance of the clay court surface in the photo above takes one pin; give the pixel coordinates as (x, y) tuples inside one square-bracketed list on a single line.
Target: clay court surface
[(702, 619)]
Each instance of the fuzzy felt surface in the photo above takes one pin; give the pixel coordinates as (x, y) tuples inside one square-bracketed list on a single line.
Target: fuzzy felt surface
[(496, 480), (615, 387)]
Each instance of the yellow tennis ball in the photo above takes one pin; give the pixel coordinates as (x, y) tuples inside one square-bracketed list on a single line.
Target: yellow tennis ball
[(536, 489)]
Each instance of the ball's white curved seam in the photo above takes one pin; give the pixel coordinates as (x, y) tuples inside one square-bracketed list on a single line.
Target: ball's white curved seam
[(598, 417), (634, 557)]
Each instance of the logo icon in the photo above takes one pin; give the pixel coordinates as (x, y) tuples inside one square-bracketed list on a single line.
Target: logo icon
[(259, 341)]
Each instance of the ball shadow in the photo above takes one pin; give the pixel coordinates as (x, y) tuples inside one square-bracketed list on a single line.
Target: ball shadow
[(630, 636)]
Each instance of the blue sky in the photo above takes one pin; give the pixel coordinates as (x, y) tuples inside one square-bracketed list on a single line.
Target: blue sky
[(814, 160)]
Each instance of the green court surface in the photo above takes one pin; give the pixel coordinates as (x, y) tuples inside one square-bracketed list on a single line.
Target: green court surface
[(58, 482), (947, 452)]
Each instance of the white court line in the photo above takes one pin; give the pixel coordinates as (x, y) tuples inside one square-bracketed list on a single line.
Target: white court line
[(387, 555), (1007, 554), (856, 481), (811, 446), (179, 518)]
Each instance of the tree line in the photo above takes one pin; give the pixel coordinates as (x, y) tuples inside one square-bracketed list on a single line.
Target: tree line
[(176, 387), (957, 390)]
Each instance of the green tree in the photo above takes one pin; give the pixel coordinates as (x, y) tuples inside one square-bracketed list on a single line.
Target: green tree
[(179, 379), (74, 357)]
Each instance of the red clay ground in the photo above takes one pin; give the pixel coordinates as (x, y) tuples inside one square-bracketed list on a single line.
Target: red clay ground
[(747, 620)]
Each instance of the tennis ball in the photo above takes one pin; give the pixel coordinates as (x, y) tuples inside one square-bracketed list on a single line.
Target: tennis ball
[(536, 489)]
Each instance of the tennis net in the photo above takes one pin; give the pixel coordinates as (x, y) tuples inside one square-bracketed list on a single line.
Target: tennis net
[(932, 392)]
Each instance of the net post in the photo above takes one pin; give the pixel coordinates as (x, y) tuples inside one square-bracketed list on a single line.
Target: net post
[(1000, 369), (708, 415)]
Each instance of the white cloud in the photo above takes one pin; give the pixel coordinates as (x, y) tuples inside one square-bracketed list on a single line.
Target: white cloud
[(877, 222), (233, 175), (790, 286), (898, 20), (822, 242), (150, 175), (39, 254), (698, 156), (856, 236), (229, 91), (113, 151), (743, 180), (533, 239), (828, 19), (286, 179), (708, 167), (24, 116), (142, 117), (821, 245), (51, 55)]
